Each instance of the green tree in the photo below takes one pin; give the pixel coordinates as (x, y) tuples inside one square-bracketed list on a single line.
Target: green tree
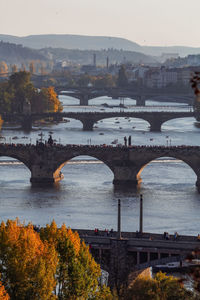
[(19, 89), (23, 89)]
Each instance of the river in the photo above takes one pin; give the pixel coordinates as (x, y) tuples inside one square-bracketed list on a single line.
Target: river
[(86, 198)]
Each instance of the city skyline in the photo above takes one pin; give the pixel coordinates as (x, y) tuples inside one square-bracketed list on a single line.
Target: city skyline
[(146, 22)]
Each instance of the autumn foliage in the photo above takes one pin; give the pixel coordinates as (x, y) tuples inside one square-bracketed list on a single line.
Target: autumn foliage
[(19, 90), (52, 264)]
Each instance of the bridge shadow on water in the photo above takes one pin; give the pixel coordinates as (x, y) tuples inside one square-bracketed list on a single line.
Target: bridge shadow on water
[(127, 190)]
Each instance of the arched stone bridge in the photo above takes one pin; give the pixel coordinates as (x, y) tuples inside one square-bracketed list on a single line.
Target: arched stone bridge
[(45, 162), (88, 119), (85, 94)]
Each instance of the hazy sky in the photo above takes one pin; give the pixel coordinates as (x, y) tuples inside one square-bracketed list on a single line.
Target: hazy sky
[(147, 22)]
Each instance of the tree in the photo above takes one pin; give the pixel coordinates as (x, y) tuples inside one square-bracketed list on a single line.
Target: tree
[(195, 82), (23, 68), (1, 122), (19, 89), (50, 98), (106, 80), (3, 294), (3, 68), (27, 264), (77, 272), (32, 67), (161, 287), (13, 69)]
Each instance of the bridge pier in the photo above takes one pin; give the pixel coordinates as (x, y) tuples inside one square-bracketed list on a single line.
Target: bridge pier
[(87, 125), (155, 125), (84, 100), (198, 184), (125, 177), (140, 101), (26, 123), (118, 268), (42, 176)]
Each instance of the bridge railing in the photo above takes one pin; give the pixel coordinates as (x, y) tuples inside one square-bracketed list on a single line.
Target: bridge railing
[(160, 261)]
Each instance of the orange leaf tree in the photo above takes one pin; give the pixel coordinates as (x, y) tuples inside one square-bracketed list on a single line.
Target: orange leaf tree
[(3, 294), (27, 264)]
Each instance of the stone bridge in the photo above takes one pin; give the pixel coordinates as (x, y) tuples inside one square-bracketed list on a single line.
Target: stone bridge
[(86, 94), (134, 251), (45, 162), (88, 119)]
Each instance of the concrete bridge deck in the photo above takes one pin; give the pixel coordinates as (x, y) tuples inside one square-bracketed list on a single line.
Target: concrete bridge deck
[(122, 256)]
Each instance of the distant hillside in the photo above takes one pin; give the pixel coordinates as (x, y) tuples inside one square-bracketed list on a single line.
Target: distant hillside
[(15, 54), (68, 41), (84, 57), (82, 42), (181, 50)]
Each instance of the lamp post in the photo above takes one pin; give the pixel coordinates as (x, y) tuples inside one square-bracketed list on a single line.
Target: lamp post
[(141, 214), (119, 220)]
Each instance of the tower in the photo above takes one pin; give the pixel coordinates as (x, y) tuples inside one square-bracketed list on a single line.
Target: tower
[(94, 59), (107, 62)]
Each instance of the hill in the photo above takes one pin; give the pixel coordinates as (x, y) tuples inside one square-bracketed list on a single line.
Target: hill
[(69, 41), (13, 54), (82, 42), (84, 57)]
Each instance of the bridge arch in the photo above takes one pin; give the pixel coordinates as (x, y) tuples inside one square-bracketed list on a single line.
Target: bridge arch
[(69, 99), (79, 159), (13, 168), (16, 157), (89, 124), (179, 120), (172, 157)]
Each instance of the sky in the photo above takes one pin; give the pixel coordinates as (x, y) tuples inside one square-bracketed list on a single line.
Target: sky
[(146, 22)]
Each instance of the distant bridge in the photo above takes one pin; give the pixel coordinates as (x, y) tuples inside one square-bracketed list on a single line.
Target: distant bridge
[(86, 94), (88, 119)]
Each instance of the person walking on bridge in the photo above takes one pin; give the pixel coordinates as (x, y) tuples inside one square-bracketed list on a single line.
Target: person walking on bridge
[(129, 140), (125, 141)]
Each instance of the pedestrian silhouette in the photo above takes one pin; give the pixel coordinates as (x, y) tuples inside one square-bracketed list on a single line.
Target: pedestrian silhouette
[(129, 140), (50, 140), (125, 141)]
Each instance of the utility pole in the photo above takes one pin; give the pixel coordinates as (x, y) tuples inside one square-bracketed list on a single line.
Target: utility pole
[(119, 220), (141, 214)]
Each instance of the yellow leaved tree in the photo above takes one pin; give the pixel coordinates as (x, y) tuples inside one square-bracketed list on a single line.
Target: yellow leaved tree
[(27, 264), (77, 272)]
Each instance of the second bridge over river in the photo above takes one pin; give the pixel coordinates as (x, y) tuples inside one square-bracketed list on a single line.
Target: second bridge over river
[(88, 119), (45, 162)]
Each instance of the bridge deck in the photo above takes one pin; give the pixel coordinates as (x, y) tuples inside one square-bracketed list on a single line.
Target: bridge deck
[(144, 240)]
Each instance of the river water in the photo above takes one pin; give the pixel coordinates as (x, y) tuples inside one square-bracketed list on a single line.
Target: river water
[(86, 198)]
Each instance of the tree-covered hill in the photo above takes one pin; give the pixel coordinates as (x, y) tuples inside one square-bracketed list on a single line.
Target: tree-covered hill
[(15, 54), (86, 56)]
